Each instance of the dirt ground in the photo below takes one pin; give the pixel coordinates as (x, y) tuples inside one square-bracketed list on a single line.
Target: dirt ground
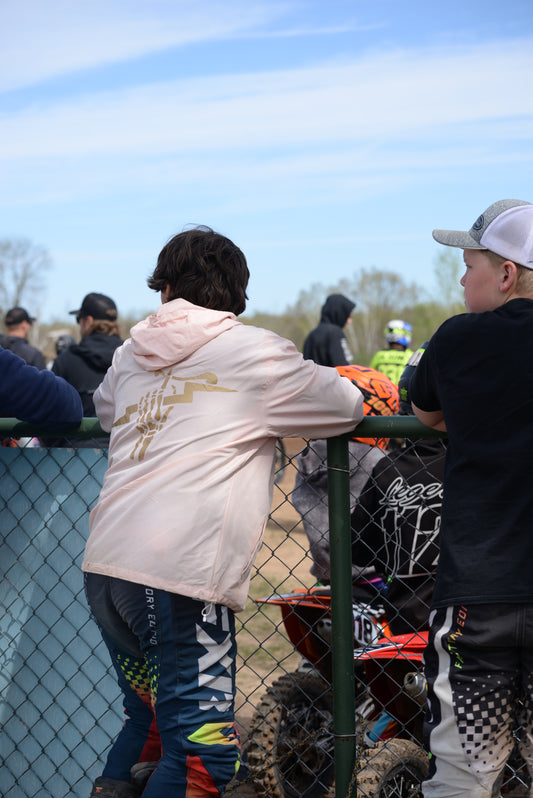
[(282, 564)]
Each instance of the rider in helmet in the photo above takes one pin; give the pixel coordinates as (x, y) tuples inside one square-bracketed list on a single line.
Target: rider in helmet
[(393, 360), (310, 495)]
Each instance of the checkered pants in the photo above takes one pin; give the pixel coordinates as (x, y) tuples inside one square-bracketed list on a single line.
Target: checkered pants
[(479, 668)]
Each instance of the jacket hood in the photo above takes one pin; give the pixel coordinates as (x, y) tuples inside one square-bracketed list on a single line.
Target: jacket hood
[(336, 309), (177, 330), (97, 349)]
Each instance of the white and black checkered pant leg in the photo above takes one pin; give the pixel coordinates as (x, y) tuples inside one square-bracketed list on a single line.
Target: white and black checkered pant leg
[(479, 665)]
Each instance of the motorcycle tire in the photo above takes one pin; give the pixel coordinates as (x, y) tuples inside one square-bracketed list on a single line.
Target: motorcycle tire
[(290, 747), (392, 769)]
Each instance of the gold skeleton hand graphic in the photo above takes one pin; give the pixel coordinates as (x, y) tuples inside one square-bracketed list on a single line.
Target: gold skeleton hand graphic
[(153, 408)]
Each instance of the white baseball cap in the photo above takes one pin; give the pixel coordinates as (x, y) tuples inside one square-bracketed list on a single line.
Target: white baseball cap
[(506, 228)]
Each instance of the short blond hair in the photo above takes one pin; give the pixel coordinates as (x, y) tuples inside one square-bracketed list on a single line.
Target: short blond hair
[(525, 276)]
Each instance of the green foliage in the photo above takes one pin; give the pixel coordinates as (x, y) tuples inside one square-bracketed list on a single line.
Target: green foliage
[(379, 295), (295, 327), (448, 270)]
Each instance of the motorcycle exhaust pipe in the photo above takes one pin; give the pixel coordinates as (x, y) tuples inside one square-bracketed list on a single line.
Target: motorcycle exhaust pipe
[(415, 686)]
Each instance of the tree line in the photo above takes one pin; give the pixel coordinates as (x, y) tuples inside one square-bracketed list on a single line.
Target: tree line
[(380, 295)]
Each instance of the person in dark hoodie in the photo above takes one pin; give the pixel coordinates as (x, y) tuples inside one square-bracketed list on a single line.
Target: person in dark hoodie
[(84, 365), (326, 344)]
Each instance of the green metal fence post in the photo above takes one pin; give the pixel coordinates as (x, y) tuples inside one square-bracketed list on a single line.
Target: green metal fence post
[(341, 611)]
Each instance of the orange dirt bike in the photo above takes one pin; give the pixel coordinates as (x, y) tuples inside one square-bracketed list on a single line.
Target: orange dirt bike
[(390, 758), (291, 744)]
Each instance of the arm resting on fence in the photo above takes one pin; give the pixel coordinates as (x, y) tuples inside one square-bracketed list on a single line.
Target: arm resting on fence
[(12, 427)]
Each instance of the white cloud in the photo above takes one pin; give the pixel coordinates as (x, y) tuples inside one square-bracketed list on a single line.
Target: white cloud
[(41, 40), (377, 98), (277, 139)]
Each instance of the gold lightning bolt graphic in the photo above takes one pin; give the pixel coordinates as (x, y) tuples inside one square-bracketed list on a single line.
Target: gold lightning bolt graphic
[(153, 408)]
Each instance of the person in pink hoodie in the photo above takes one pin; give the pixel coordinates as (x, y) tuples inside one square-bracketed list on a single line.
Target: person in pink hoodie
[(194, 402)]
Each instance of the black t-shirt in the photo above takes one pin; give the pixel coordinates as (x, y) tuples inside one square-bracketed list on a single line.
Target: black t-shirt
[(478, 370)]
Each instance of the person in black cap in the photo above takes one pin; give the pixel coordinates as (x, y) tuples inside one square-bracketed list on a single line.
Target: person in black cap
[(84, 365), (326, 344), (18, 323)]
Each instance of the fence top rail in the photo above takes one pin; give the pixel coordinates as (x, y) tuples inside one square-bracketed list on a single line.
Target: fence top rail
[(370, 427), (12, 427)]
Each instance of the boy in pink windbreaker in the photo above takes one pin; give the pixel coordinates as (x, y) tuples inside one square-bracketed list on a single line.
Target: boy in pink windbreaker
[(194, 402)]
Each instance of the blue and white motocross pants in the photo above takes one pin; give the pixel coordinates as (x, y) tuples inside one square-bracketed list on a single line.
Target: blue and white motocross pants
[(175, 661)]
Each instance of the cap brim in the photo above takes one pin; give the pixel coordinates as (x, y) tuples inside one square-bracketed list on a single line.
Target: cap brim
[(74, 312), (456, 238)]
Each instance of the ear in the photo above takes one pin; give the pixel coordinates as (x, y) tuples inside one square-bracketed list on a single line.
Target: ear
[(508, 276)]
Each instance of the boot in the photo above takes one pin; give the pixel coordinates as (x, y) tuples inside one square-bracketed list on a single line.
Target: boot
[(114, 788), (141, 772)]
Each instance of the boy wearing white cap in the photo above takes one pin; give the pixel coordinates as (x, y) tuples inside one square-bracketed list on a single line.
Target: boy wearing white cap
[(475, 380)]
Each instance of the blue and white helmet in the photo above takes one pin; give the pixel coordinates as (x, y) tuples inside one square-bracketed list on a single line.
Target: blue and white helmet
[(398, 332)]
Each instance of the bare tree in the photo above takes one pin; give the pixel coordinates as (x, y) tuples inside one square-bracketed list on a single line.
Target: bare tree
[(380, 296), (22, 268), (447, 271)]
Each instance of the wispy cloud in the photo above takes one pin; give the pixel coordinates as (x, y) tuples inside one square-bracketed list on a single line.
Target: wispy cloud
[(300, 143), (296, 138), (377, 98), (322, 30), (41, 40)]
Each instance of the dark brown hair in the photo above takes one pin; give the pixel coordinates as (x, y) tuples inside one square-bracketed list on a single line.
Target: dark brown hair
[(204, 268)]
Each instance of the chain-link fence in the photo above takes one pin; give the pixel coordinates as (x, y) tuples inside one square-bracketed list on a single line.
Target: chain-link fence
[(59, 703)]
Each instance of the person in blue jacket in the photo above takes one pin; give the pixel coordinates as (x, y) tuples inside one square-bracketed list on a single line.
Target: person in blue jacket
[(37, 397)]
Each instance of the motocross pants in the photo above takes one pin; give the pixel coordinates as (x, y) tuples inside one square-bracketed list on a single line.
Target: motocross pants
[(175, 661), (479, 670)]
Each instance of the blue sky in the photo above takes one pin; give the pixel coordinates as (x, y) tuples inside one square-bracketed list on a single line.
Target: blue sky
[(323, 138)]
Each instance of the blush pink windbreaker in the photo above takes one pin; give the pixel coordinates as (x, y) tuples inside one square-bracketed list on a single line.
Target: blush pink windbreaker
[(195, 401)]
